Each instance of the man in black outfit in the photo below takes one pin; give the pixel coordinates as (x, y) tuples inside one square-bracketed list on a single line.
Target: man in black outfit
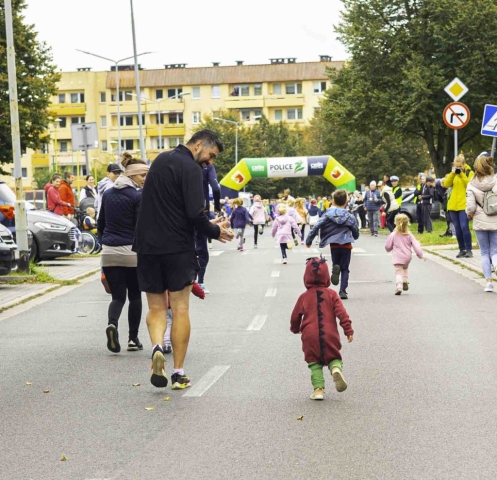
[(172, 208)]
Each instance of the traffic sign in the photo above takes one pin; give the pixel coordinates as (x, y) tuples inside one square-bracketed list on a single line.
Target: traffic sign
[(456, 115), (489, 125), (456, 89)]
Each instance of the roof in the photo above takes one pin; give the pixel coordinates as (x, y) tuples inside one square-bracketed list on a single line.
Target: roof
[(283, 72)]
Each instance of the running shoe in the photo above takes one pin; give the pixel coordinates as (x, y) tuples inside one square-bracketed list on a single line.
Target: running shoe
[(158, 378), (469, 254), (167, 349), (113, 339), (335, 275), (340, 383), (134, 345), (318, 394), (261, 230), (489, 287), (461, 254), (405, 286), (204, 288), (179, 381), (296, 242), (343, 295), (398, 291), (255, 246), (284, 261)]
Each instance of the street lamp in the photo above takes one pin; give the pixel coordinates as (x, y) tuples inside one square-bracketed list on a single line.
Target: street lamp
[(236, 134), (116, 63)]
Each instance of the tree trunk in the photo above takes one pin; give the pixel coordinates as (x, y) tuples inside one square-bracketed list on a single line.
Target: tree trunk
[(441, 150)]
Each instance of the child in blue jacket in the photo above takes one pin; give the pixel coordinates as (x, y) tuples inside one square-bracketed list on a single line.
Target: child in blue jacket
[(239, 219)]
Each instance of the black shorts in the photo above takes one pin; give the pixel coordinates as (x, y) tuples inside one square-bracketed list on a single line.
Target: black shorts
[(173, 272)]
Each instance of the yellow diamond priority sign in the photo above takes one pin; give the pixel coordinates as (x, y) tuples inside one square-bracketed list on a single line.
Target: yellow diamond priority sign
[(456, 89)]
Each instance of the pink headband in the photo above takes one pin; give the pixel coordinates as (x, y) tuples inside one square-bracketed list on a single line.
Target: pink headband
[(136, 169)]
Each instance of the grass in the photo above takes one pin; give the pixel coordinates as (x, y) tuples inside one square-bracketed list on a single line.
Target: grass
[(36, 275), (439, 227)]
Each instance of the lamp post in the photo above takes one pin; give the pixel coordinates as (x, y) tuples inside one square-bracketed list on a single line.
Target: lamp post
[(236, 134), (116, 64)]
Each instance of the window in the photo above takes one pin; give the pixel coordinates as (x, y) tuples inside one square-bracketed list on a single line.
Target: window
[(103, 122), (62, 146), (103, 146), (127, 144), (175, 118), (126, 120), (77, 120), (159, 94), (196, 92), (103, 97), (159, 120), (24, 172), (257, 113), (241, 91), (196, 118), (77, 97), (293, 88), (294, 114), (216, 91), (174, 141), (257, 89), (62, 98), (319, 87), (174, 92), (245, 115), (123, 96), (277, 89), (63, 122), (278, 115), (156, 145)]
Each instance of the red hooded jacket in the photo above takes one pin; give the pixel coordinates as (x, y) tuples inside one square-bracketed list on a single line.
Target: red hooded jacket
[(54, 203), (315, 315)]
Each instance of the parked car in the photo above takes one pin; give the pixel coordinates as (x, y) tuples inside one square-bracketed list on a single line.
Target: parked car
[(53, 236), (409, 207), (9, 253)]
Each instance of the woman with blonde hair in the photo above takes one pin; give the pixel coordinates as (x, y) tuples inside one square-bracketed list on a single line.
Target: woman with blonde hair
[(457, 180), (302, 213), (482, 188), (283, 227)]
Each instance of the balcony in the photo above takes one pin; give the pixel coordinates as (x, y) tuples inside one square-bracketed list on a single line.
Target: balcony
[(168, 130), (130, 107), (40, 160), (284, 100), (66, 109), (244, 102)]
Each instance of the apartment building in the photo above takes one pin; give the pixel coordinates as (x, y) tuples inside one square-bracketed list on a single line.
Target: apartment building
[(173, 102)]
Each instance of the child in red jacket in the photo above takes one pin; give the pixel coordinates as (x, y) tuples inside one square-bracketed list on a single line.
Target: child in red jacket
[(315, 316)]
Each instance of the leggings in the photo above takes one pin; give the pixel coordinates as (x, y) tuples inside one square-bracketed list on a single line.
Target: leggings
[(202, 254), (124, 280), (283, 249), (302, 231), (256, 232)]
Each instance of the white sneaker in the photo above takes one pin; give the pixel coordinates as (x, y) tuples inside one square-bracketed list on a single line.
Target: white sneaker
[(284, 262), (489, 287), (261, 230)]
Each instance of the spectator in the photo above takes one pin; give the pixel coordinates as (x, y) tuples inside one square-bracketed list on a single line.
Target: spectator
[(417, 201), (54, 203), (372, 205), (391, 208), (458, 180), (90, 191), (426, 198), (67, 195), (113, 172), (396, 190)]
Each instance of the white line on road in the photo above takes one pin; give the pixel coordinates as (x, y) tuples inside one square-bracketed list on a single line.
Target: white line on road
[(277, 260), (245, 252), (275, 274), (206, 382), (271, 292), (372, 254), (359, 250), (215, 253), (257, 323)]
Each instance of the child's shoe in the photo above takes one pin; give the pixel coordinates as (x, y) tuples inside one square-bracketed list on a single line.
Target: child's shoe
[(318, 394), (289, 245), (405, 286), (335, 275), (296, 242), (166, 348), (261, 230), (340, 383), (398, 291), (284, 261), (343, 295)]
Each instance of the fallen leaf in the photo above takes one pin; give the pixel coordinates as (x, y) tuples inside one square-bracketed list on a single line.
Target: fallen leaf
[(167, 399), (46, 391), (136, 384), (149, 408), (301, 417), (29, 383), (63, 458)]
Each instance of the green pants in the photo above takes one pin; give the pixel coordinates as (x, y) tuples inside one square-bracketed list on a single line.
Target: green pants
[(317, 377)]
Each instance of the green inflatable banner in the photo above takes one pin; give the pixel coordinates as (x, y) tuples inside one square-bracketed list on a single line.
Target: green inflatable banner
[(285, 167)]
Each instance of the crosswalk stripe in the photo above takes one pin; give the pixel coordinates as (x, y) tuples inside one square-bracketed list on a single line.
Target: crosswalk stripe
[(206, 382), (257, 323)]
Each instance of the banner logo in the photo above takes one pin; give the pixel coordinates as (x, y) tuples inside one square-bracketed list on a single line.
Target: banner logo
[(336, 173), (299, 166), (238, 177)]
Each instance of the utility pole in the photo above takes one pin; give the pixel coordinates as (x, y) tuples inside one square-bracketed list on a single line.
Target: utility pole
[(20, 205)]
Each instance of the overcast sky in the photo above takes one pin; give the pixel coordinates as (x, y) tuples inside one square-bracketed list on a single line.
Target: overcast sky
[(196, 32)]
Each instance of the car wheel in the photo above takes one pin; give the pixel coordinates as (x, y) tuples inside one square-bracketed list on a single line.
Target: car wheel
[(34, 254)]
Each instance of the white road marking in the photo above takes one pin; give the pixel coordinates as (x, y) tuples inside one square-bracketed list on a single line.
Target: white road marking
[(275, 274), (277, 260), (358, 250), (372, 254), (271, 292), (257, 323), (245, 252), (206, 382), (215, 253)]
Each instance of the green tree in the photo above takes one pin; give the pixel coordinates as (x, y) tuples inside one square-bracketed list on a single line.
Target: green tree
[(36, 83), (403, 54)]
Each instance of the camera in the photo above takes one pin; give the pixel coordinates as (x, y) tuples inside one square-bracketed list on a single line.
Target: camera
[(457, 171)]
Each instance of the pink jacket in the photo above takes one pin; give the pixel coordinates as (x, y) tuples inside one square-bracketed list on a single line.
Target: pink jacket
[(258, 213), (282, 227), (401, 247)]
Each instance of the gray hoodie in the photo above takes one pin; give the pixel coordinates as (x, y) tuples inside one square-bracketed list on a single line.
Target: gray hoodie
[(103, 185)]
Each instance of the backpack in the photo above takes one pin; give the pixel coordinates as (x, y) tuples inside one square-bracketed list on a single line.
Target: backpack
[(489, 206)]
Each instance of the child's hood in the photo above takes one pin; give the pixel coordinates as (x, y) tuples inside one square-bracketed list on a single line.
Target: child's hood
[(316, 273), (283, 219), (339, 215)]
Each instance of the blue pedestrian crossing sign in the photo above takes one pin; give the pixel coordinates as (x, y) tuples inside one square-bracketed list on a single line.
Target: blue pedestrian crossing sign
[(489, 125)]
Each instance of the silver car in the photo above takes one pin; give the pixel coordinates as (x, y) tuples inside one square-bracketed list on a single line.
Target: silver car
[(409, 207)]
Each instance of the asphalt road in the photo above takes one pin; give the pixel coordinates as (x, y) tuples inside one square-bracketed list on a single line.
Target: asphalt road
[(421, 402)]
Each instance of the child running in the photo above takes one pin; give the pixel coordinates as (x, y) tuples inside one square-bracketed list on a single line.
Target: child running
[(239, 219), (338, 228), (283, 226), (401, 242), (315, 317)]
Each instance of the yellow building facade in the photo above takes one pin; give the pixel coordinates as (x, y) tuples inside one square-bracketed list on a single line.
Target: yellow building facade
[(173, 101)]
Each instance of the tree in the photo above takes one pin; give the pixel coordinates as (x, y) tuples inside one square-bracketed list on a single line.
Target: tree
[(404, 52), (36, 83)]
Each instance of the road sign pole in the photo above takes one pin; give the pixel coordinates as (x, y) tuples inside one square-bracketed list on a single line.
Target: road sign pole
[(85, 141), (456, 144)]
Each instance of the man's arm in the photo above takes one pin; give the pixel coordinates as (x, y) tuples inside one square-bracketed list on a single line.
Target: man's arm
[(216, 189)]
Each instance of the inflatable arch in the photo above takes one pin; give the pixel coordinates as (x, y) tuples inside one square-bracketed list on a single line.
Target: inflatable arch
[(284, 167)]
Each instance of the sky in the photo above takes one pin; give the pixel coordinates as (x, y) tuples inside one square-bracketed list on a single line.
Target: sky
[(197, 34)]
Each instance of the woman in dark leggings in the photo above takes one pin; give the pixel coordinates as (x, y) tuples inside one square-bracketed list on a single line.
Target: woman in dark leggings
[(116, 228)]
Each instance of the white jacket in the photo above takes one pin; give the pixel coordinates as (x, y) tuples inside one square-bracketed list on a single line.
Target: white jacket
[(475, 193)]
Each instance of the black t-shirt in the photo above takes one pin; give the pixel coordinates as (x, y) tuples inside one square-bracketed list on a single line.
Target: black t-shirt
[(172, 206)]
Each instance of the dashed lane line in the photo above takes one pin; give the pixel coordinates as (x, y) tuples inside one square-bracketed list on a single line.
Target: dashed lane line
[(257, 323), (271, 292), (206, 382), (275, 274), (215, 253)]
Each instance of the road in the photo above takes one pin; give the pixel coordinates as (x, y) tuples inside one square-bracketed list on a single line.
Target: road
[(421, 373)]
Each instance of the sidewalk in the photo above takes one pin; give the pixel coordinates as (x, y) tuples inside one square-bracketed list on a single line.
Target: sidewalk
[(60, 269)]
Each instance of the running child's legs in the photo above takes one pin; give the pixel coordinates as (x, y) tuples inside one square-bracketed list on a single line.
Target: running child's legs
[(401, 275), (317, 376), (283, 249), (239, 235), (256, 233), (341, 257)]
